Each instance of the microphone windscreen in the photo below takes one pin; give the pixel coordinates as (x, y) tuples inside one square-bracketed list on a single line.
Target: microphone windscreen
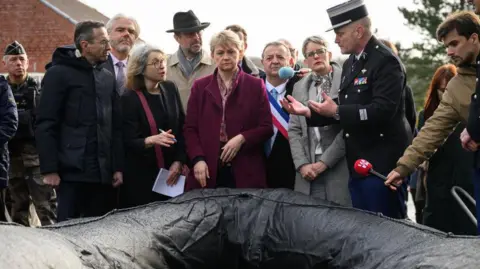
[(286, 72), (362, 167)]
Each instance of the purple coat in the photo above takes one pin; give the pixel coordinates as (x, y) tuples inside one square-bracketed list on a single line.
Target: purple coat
[(247, 113)]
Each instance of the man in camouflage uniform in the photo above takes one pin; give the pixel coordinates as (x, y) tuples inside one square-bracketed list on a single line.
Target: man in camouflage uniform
[(25, 183)]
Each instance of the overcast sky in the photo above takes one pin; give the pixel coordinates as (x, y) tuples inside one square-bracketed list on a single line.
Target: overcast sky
[(264, 20)]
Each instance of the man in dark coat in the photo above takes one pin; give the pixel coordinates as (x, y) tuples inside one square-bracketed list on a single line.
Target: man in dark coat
[(370, 109), (8, 127), (79, 126), (280, 167)]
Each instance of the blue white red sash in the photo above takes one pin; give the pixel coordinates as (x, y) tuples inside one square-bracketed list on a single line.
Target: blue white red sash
[(279, 117)]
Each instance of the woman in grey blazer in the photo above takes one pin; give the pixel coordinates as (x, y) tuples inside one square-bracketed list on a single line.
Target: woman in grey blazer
[(319, 152)]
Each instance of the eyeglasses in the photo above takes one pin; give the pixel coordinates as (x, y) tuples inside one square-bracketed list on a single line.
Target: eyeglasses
[(104, 43), (316, 52), (157, 64)]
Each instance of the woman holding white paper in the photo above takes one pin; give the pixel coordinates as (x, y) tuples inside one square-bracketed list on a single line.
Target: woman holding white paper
[(153, 119)]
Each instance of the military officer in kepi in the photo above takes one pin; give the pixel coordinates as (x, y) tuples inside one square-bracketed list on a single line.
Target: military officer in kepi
[(26, 184), (369, 109)]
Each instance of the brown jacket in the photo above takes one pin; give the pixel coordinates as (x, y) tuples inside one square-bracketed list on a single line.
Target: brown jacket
[(452, 110), (184, 85)]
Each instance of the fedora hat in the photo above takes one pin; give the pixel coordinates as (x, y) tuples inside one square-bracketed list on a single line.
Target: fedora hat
[(187, 22)]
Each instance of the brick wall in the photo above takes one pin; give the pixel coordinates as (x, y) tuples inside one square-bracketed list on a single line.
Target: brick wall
[(37, 27)]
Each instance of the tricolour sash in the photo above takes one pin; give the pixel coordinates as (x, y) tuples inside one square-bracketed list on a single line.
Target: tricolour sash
[(279, 117)]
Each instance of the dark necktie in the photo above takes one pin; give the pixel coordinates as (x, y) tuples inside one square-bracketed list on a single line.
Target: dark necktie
[(120, 78), (354, 62)]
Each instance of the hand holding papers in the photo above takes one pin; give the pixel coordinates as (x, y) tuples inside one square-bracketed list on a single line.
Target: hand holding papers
[(161, 186)]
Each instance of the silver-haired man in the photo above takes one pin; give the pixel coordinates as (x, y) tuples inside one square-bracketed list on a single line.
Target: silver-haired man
[(123, 32)]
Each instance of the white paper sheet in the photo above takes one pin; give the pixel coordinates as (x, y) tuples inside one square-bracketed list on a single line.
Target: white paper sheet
[(161, 186)]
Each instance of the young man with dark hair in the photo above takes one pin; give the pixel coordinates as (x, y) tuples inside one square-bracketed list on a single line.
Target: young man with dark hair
[(78, 129), (460, 33)]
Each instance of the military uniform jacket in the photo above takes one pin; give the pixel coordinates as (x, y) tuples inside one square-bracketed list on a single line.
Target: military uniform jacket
[(22, 144), (371, 108)]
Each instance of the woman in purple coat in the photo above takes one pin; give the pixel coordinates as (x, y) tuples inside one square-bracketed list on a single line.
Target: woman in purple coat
[(227, 123)]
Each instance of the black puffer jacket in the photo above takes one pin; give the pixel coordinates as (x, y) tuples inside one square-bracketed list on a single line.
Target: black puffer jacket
[(78, 126)]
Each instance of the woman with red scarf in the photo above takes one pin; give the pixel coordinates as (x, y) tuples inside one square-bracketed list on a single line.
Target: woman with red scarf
[(153, 120)]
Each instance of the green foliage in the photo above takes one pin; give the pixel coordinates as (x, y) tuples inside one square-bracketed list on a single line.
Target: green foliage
[(424, 57)]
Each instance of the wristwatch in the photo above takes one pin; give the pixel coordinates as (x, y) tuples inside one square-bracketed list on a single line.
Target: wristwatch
[(336, 115)]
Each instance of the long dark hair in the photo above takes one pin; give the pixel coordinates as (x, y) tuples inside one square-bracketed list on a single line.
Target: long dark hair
[(432, 100)]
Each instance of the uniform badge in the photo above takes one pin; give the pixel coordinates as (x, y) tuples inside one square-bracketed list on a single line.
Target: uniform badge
[(360, 81), (363, 114)]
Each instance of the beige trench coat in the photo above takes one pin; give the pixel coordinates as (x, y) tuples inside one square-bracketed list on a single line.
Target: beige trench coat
[(174, 73)]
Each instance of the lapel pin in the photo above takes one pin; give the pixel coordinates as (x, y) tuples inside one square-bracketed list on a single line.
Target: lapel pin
[(364, 70)]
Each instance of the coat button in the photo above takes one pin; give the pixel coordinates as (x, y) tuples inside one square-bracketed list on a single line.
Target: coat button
[(381, 135), (474, 96), (347, 135), (346, 96), (358, 90), (476, 79)]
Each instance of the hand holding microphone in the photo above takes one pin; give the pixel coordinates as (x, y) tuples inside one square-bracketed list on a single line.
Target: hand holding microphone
[(364, 168), (394, 180), (287, 72)]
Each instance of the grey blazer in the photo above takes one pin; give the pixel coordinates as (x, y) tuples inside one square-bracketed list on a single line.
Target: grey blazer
[(303, 140)]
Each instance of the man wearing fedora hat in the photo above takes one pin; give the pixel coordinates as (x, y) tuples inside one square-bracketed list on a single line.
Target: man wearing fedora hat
[(369, 108), (190, 61)]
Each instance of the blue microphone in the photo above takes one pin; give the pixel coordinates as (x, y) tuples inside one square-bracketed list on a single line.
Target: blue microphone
[(286, 72)]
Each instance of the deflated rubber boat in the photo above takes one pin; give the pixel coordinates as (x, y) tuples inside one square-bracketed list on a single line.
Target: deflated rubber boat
[(231, 229)]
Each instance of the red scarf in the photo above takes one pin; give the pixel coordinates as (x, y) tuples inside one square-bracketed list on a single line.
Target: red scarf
[(153, 127)]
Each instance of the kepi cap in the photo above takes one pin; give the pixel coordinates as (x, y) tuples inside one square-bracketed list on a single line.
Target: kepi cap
[(346, 13)]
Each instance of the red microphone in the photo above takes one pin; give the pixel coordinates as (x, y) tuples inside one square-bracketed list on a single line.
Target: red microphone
[(364, 168)]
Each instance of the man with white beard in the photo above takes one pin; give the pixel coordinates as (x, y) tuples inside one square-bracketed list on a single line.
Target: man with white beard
[(123, 31)]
